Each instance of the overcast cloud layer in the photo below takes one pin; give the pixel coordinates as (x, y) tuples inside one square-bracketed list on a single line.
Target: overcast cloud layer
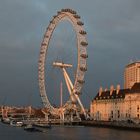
[(113, 28)]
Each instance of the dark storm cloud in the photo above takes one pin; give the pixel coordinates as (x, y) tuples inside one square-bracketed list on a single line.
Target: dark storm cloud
[(113, 34)]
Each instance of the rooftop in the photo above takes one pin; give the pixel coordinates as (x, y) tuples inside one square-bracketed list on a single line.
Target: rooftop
[(133, 63), (118, 94)]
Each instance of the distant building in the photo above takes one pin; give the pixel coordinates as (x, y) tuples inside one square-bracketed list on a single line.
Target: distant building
[(131, 74), (118, 104)]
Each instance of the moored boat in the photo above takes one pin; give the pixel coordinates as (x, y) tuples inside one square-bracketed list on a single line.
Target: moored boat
[(30, 128), (42, 125), (16, 123)]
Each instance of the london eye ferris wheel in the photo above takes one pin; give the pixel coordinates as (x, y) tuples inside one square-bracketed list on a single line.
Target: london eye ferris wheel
[(74, 88)]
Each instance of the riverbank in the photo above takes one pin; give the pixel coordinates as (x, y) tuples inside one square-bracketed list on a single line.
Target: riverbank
[(108, 124), (104, 124)]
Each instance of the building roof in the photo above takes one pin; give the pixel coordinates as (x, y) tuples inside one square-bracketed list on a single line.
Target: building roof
[(121, 93), (136, 87), (133, 63)]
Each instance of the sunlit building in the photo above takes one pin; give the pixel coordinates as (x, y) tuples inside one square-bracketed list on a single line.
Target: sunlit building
[(117, 104), (131, 74)]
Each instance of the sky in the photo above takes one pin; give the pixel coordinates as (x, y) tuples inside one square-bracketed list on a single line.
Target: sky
[(113, 29)]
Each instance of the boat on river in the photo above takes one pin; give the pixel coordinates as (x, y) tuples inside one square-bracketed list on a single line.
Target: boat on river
[(40, 125), (16, 123), (31, 128)]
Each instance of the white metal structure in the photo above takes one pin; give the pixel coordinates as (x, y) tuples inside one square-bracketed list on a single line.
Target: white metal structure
[(73, 88)]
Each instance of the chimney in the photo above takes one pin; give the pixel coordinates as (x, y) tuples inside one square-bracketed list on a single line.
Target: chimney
[(118, 89), (100, 91), (111, 89), (105, 89)]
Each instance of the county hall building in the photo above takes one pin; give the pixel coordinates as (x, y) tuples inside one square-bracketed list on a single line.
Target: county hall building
[(118, 104)]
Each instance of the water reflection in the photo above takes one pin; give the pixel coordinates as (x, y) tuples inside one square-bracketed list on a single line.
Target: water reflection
[(68, 133)]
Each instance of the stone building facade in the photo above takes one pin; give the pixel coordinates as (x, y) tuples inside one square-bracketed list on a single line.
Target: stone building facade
[(116, 104), (131, 74)]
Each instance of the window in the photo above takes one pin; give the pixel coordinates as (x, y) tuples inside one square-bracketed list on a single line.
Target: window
[(138, 108), (111, 114), (118, 114)]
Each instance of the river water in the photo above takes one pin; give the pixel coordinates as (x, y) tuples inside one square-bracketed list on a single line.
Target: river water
[(67, 133)]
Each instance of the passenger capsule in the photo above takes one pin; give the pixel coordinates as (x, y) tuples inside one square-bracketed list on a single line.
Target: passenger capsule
[(84, 43), (83, 68), (43, 44), (84, 55), (77, 16), (80, 23), (83, 32)]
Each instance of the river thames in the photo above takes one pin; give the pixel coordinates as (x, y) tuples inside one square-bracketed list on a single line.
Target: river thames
[(67, 133)]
